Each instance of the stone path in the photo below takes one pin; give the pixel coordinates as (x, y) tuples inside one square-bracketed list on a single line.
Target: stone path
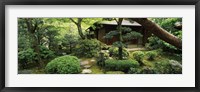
[(86, 65)]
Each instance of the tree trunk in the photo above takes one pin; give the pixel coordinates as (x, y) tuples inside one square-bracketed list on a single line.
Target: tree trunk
[(78, 24), (35, 43), (159, 32), (80, 30), (120, 37)]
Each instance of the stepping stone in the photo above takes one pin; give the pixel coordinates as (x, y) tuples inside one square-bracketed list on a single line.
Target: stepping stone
[(86, 71), (84, 63), (87, 66), (92, 60), (175, 63)]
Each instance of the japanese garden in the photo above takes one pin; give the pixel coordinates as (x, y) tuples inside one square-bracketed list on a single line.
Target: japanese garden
[(99, 45)]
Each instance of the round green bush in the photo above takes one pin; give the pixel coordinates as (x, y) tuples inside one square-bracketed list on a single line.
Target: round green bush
[(113, 51), (138, 55), (88, 48), (63, 65), (151, 55)]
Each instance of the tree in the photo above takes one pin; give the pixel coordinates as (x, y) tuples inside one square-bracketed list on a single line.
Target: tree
[(32, 28), (70, 40), (159, 32), (78, 24), (36, 30), (52, 41), (83, 23), (123, 33), (119, 23)]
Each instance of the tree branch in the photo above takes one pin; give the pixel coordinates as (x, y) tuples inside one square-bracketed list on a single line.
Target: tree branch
[(159, 32), (73, 21)]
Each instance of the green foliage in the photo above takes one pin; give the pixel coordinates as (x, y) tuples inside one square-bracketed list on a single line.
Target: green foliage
[(50, 38), (156, 43), (124, 33), (111, 34), (45, 53), (26, 56), (63, 65), (151, 55), (168, 67), (120, 65), (114, 72), (178, 34), (169, 25), (138, 55), (119, 44), (102, 58), (132, 35), (144, 70), (70, 40), (113, 51), (134, 70), (88, 48), (104, 46)]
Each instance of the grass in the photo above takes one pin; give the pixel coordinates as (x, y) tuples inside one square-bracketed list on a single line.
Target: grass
[(96, 70), (114, 72)]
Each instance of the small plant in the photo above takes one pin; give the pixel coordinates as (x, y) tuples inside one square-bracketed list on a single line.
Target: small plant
[(113, 51), (134, 70), (63, 65), (120, 65), (138, 55), (151, 55)]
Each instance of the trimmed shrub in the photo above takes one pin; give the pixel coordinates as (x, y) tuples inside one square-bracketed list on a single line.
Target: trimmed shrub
[(151, 55), (88, 48), (113, 51), (120, 65), (138, 55), (168, 67), (64, 65)]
